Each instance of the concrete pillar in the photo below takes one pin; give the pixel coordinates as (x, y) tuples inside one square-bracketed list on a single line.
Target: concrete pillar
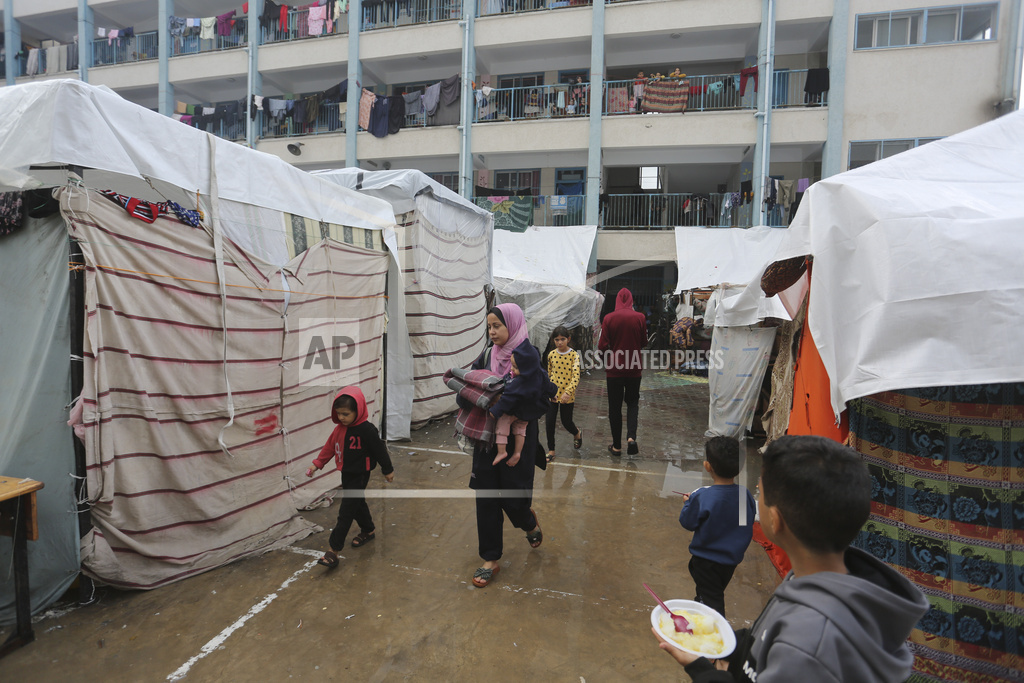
[(762, 148), (596, 101), (255, 79), (12, 41), (165, 90), (468, 108), (355, 84), (838, 45), (86, 34)]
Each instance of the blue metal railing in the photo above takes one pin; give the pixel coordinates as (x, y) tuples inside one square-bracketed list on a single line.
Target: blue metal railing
[(665, 211), (298, 27), (237, 36), (45, 62), (141, 47), (534, 102), (491, 7), (390, 13)]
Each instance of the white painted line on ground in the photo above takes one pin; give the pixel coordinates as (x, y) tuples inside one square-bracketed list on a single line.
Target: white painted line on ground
[(416, 449), (219, 639)]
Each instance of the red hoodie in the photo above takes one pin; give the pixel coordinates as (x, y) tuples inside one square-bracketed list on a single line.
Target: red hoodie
[(358, 447), (623, 335)]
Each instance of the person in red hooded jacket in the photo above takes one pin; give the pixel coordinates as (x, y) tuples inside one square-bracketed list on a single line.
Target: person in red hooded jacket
[(623, 336), (356, 447)]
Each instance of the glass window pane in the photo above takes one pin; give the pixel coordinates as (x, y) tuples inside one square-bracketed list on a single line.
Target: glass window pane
[(882, 33), (916, 29), (899, 31), (978, 22), (942, 26), (863, 153), (891, 147), (865, 32)]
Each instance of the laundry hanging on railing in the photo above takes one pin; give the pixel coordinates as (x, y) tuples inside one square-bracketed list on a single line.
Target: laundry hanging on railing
[(666, 95)]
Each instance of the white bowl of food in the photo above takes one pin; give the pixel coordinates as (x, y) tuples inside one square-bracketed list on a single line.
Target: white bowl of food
[(712, 636)]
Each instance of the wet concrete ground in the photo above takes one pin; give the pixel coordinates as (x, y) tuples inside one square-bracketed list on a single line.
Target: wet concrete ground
[(403, 607)]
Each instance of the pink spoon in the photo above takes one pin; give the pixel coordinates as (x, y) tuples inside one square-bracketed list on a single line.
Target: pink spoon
[(681, 624)]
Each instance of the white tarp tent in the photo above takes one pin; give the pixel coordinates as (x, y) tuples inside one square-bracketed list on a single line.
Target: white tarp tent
[(544, 271), (732, 260), (917, 278), (443, 267), (201, 407)]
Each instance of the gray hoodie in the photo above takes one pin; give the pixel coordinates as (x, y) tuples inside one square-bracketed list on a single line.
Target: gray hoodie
[(829, 627)]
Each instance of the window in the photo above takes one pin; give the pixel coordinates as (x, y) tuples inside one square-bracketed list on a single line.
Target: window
[(650, 178), (527, 182), (931, 26), (864, 152), (449, 180)]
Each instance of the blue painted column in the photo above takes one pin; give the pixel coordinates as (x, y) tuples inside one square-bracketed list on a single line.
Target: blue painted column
[(12, 41), (165, 90), (355, 84), (596, 101), (468, 108), (838, 45), (254, 82), (86, 34), (765, 73)]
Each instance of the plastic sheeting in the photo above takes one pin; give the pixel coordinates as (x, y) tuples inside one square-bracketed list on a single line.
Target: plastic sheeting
[(63, 121), (443, 265), (544, 271), (35, 441), (739, 358), (742, 305), (193, 462), (917, 277), (707, 257)]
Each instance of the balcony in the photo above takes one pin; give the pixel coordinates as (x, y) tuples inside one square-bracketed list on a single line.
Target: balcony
[(492, 7), (234, 35), (140, 47), (666, 211), (392, 13), (714, 92), (56, 59), (298, 27)]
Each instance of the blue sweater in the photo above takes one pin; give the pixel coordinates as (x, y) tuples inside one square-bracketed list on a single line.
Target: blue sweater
[(712, 514)]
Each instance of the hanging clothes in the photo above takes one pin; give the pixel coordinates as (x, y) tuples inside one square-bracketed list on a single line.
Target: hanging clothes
[(379, 113), (208, 28), (451, 89), (396, 114), (11, 212), (413, 103), (271, 12), (431, 98), (744, 75), (224, 23), (312, 109), (317, 17), (336, 93), (365, 106)]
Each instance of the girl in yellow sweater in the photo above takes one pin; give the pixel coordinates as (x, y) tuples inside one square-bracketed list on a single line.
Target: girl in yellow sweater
[(564, 371)]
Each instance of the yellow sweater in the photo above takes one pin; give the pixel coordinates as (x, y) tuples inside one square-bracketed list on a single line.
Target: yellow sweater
[(564, 371)]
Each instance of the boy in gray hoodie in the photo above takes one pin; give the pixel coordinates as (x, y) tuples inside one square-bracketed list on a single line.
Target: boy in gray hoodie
[(841, 614)]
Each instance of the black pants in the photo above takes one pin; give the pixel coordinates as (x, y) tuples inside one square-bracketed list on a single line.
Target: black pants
[(503, 491), (566, 410), (711, 579), (620, 388), (352, 508)]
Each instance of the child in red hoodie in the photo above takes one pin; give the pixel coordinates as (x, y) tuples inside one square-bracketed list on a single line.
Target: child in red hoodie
[(356, 447)]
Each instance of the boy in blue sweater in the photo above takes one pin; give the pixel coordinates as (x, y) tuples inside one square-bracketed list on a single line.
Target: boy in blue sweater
[(713, 514)]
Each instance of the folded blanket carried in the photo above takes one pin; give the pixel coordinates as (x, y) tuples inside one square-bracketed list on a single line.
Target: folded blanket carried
[(481, 389)]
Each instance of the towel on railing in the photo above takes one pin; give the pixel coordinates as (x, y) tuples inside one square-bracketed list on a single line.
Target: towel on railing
[(431, 98), (208, 28), (450, 89), (666, 95), (413, 103), (365, 107)]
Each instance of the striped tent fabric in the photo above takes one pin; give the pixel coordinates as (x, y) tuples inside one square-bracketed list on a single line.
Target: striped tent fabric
[(947, 511), (444, 307), (166, 501), (667, 95)]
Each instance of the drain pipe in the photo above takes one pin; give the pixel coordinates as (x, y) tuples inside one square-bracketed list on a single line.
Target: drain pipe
[(468, 103), (766, 60), (355, 84)]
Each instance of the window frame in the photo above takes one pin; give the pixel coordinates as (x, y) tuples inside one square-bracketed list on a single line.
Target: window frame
[(921, 39), (915, 143)]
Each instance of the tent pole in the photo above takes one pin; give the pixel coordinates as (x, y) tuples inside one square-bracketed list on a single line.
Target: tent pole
[(76, 306), (384, 371)]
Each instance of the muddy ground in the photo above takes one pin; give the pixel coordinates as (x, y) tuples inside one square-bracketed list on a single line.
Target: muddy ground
[(404, 608)]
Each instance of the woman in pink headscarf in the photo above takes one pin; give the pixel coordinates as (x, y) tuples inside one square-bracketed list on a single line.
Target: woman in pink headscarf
[(506, 328)]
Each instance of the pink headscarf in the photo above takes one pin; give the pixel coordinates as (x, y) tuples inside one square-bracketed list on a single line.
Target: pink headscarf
[(501, 355)]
